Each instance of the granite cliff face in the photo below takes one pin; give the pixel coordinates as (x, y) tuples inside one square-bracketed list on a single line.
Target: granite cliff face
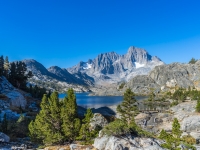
[(166, 77), (13, 96), (160, 79)]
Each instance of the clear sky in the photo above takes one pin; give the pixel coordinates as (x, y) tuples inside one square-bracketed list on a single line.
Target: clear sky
[(64, 32)]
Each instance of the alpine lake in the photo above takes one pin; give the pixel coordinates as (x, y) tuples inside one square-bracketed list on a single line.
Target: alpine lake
[(86, 101)]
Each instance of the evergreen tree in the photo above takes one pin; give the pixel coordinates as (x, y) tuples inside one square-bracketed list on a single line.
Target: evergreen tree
[(192, 61), (172, 141), (4, 124), (1, 65), (85, 133), (198, 106), (151, 97), (169, 141), (12, 74), (179, 95), (47, 127), (18, 75), (6, 67), (128, 107), (21, 76), (176, 129), (116, 128), (71, 123), (57, 120)]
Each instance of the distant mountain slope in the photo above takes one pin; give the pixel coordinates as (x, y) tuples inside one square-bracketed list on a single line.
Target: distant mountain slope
[(56, 78), (64, 75), (162, 78), (114, 67), (168, 77)]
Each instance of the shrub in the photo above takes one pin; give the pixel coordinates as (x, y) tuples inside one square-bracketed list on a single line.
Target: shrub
[(189, 139), (121, 86), (3, 97)]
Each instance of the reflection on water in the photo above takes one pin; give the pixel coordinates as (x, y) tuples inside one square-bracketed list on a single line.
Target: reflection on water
[(98, 101)]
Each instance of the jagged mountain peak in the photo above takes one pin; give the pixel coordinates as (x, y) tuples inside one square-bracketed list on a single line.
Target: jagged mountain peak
[(118, 66), (138, 55), (132, 49)]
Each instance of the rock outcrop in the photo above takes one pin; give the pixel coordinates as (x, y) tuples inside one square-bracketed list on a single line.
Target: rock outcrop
[(4, 137), (167, 77), (184, 112), (97, 121), (131, 143), (14, 97)]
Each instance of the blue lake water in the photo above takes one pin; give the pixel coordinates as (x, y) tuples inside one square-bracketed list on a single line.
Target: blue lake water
[(84, 100)]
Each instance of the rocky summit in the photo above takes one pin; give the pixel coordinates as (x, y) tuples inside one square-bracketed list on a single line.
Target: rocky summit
[(112, 67)]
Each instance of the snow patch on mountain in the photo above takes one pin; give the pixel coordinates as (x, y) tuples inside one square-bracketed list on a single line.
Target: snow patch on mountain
[(87, 66), (138, 65)]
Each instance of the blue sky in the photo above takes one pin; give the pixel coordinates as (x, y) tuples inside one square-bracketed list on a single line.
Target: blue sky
[(65, 32)]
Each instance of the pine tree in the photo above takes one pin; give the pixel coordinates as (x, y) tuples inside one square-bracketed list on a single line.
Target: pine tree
[(192, 61), (47, 127), (21, 76), (116, 128), (6, 67), (128, 108), (1, 65), (85, 132), (198, 106), (12, 74), (172, 141), (4, 124), (18, 75), (176, 129), (151, 97), (57, 120), (169, 140), (71, 123)]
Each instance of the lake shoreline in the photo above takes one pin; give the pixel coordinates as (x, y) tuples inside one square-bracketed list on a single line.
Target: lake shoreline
[(86, 101)]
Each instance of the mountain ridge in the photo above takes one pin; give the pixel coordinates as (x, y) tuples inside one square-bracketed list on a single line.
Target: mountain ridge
[(106, 68), (117, 67)]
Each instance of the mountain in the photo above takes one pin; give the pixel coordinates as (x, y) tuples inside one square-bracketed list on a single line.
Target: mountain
[(112, 67), (64, 75), (162, 78), (105, 69), (168, 77), (56, 77)]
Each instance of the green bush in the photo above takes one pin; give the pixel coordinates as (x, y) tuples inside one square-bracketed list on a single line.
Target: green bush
[(189, 140), (198, 106), (121, 85)]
